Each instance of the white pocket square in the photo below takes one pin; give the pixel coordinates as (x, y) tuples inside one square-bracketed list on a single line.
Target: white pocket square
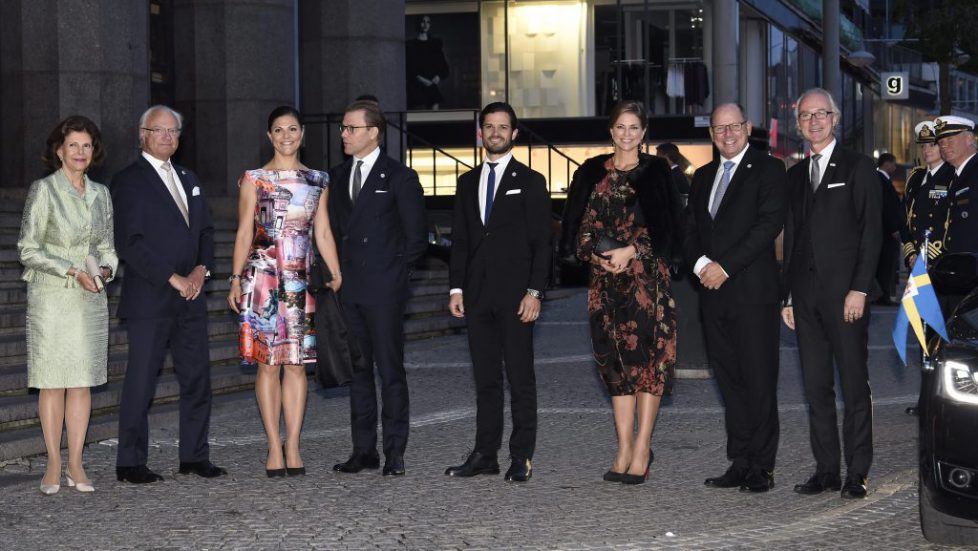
[(513, 191), (380, 191), (195, 192), (830, 186)]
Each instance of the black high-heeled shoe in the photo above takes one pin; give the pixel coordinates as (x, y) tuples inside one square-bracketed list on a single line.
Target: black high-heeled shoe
[(273, 473), (612, 476), (292, 471), (633, 479)]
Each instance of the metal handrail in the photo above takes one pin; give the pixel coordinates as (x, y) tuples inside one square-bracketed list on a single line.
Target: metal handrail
[(407, 140)]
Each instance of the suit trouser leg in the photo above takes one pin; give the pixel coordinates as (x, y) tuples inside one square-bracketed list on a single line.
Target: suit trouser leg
[(485, 347), (385, 323), (886, 266), (363, 389), (721, 347), (518, 361), (147, 348), (743, 342), (849, 346), (191, 362), (818, 375)]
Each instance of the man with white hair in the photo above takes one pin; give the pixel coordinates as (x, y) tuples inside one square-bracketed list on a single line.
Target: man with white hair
[(832, 241), (165, 236), (956, 139)]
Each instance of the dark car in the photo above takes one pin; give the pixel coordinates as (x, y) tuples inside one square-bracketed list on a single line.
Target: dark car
[(948, 411)]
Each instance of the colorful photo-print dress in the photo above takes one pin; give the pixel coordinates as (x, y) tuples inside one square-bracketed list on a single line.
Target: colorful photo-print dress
[(276, 308), (631, 314)]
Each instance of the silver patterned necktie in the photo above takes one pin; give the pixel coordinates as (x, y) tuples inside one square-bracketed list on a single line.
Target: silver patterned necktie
[(171, 186), (357, 181), (722, 188), (816, 174)]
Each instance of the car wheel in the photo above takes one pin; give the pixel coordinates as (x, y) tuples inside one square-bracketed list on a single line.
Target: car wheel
[(941, 528)]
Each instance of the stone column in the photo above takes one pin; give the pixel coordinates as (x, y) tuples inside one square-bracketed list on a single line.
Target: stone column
[(348, 49), (831, 72), (233, 64), (726, 25), (85, 57)]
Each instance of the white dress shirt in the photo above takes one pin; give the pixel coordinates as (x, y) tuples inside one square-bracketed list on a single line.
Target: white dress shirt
[(702, 261), (959, 168), (158, 165), (484, 179), (368, 163)]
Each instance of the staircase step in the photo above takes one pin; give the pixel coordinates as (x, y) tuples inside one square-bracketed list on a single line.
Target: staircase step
[(23, 408)]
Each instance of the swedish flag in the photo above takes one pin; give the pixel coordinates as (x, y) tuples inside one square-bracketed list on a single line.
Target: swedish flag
[(919, 306)]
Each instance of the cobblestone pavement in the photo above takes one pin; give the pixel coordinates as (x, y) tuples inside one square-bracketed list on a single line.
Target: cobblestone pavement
[(565, 506)]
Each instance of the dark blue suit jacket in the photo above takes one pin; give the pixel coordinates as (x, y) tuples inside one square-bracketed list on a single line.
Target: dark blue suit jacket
[(381, 237), (154, 242)]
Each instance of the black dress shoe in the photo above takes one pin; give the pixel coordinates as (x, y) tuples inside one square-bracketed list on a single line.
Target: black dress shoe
[(139, 474), (855, 487), (818, 483), (733, 478), (358, 462), (394, 465), (204, 469), (758, 481), (475, 464), (520, 470)]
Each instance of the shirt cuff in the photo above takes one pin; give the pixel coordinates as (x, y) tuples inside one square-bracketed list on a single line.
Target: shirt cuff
[(700, 264), (454, 291)]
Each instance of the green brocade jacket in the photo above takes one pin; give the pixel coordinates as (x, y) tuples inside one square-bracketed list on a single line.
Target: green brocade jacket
[(61, 227)]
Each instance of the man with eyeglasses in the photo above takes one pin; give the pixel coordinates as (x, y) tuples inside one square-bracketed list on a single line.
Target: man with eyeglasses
[(165, 237), (500, 260), (377, 212), (832, 242), (957, 142), (736, 211)]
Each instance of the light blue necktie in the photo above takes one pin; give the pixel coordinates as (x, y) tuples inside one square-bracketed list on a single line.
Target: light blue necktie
[(490, 190), (722, 188)]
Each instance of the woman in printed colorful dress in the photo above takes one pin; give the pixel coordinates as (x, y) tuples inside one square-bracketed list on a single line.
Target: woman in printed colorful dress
[(623, 216), (281, 216), (67, 218)]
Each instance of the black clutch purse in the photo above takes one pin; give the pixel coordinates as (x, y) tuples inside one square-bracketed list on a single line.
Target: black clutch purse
[(603, 244)]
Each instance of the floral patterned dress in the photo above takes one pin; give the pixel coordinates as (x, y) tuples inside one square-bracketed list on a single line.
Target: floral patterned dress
[(276, 308), (632, 314)]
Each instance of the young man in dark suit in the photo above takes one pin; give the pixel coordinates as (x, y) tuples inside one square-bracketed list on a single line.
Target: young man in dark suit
[(831, 246), (164, 234), (376, 210), (500, 259), (736, 211)]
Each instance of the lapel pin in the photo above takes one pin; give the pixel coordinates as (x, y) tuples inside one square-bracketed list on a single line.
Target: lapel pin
[(831, 164), (513, 174), (382, 175), (748, 166)]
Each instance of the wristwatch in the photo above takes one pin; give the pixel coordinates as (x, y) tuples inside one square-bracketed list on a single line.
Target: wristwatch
[(535, 294), (232, 277)]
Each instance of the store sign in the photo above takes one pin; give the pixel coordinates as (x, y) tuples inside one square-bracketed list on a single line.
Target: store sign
[(701, 121), (895, 86)]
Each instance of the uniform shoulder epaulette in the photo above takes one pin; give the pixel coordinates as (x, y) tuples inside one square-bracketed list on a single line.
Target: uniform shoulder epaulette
[(915, 170)]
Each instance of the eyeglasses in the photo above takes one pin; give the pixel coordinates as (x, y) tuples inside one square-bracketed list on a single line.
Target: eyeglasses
[(352, 129), (733, 127), (817, 115), (160, 132)]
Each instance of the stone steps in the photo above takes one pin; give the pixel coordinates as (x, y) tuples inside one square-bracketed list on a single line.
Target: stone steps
[(426, 316)]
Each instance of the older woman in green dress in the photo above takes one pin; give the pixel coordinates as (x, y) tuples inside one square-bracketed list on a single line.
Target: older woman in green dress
[(67, 218)]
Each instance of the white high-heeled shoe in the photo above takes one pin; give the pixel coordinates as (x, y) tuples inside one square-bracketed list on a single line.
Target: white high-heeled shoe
[(84, 487), (50, 489)]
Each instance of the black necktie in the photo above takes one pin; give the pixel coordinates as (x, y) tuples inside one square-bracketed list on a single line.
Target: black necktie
[(357, 181), (490, 190)]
